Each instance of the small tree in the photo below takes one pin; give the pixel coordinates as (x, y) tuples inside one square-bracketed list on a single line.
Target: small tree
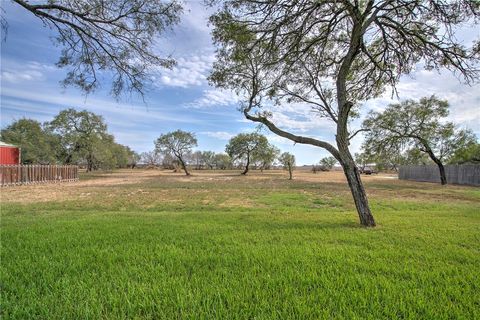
[(245, 147), (151, 158), (265, 157), (222, 161), (198, 161), (417, 124), (178, 143), (327, 163), (288, 162), (209, 159)]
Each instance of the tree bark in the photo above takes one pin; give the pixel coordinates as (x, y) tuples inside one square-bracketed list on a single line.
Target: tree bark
[(438, 162), (89, 163), (358, 192), (290, 171), (184, 166), (246, 167), (441, 169), (443, 176)]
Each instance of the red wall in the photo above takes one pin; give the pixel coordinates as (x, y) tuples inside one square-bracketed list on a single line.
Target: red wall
[(9, 155)]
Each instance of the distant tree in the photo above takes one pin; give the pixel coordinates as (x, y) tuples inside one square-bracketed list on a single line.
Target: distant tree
[(288, 162), (245, 147), (209, 159), (37, 145), (362, 159), (198, 160), (124, 156), (470, 153), (389, 157), (117, 36), (169, 162), (80, 135), (133, 158), (332, 56), (105, 154), (417, 124), (178, 143), (327, 163), (151, 158), (265, 157), (222, 161)]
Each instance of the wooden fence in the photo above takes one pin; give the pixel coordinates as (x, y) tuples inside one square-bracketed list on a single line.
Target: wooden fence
[(466, 174), (31, 174)]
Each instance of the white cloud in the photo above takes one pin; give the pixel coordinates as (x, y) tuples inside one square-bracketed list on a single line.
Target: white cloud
[(190, 71), (213, 98), (15, 73), (464, 100), (221, 135), (124, 112)]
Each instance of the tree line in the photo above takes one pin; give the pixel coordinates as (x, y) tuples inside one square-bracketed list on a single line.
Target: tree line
[(174, 150), (71, 137)]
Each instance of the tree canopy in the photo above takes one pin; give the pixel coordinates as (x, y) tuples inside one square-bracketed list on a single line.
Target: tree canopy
[(416, 125), (81, 134), (327, 163), (117, 36), (288, 162), (178, 143), (246, 147), (331, 56)]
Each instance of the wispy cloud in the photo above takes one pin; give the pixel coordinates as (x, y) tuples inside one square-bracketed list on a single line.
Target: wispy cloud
[(220, 135), (212, 97), (15, 73)]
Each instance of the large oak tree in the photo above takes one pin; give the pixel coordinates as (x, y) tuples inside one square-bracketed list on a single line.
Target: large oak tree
[(82, 136), (332, 55)]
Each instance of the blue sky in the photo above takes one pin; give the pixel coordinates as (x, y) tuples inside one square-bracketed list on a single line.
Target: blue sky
[(181, 98)]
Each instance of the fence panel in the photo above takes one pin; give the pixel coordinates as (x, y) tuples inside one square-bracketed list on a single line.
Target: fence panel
[(31, 174), (465, 174)]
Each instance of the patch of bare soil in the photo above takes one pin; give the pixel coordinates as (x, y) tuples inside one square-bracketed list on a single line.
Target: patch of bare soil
[(73, 190), (92, 185)]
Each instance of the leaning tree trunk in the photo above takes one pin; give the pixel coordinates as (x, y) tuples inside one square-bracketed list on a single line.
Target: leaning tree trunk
[(438, 162), (354, 181), (441, 169), (246, 167), (358, 192), (184, 166)]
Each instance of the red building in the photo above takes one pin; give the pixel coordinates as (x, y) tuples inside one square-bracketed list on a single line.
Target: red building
[(9, 154)]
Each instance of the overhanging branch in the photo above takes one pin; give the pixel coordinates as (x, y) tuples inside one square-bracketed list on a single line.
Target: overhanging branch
[(295, 138)]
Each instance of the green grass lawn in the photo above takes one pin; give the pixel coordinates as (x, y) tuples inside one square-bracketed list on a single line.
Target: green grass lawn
[(230, 247)]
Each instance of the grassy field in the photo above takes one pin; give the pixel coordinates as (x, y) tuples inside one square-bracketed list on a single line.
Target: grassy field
[(158, 245)]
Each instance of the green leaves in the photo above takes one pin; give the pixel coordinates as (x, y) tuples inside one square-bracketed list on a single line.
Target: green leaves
[(37, 144), (113, 36), (415, 125)]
